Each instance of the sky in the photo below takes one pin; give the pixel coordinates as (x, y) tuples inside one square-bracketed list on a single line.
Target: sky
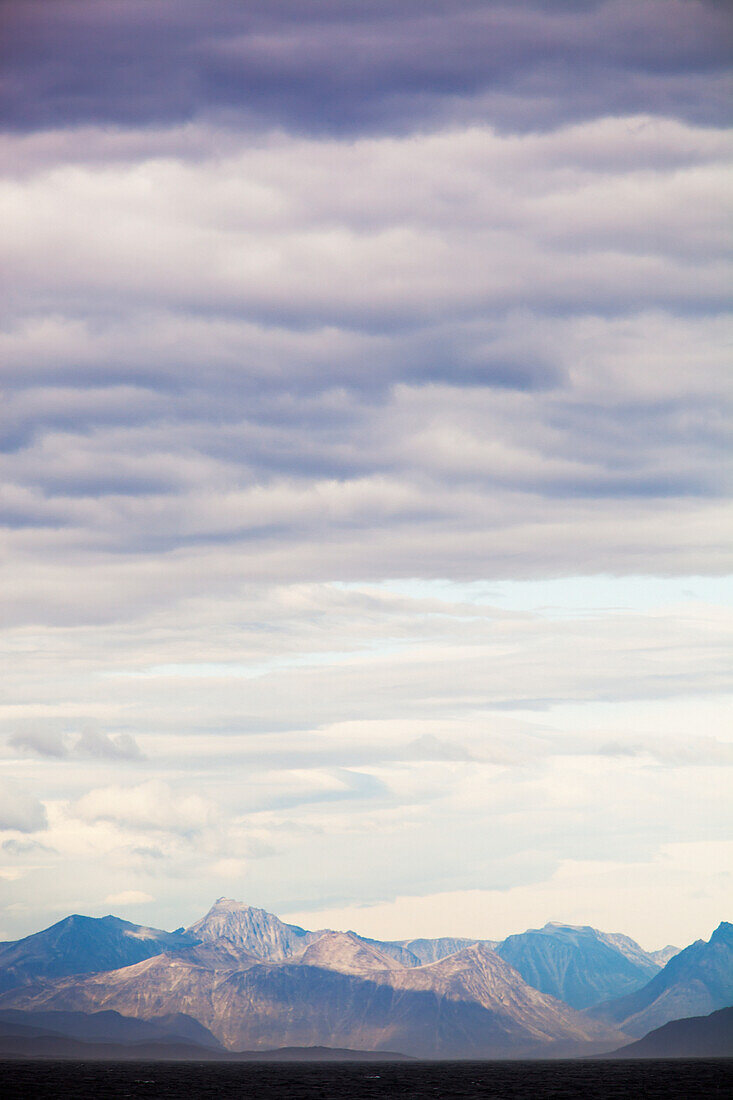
[(365, 464)]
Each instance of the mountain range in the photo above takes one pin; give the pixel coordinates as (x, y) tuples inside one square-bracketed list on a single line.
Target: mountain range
[(694, 982), (241, 979)]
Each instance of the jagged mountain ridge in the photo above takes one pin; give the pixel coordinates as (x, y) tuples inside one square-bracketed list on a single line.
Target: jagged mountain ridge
[(255, 930), (108, 943), (471, 1004), (290, 986), (695, 982), (578, 964)]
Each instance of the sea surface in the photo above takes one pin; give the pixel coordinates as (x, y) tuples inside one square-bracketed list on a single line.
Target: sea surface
[(711, 1079)]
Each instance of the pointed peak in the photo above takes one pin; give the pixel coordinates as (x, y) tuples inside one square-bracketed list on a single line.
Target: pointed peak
[(225, 905), (255, 930)]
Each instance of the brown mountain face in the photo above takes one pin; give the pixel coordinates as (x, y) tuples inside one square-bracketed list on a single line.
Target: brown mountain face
[(471, 1004), (477, 975)]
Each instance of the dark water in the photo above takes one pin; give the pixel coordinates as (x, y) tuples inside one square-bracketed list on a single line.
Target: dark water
[(709, 1078)]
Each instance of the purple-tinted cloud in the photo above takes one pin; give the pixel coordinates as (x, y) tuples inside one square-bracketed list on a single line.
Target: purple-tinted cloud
[(337, 67)]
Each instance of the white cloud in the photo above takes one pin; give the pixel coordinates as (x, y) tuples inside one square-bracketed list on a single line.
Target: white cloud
[(128, 897), (151, 805), (19, 809), (229, 868)]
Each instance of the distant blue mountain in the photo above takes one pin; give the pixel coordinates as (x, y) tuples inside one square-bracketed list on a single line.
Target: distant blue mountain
[(579, 965), (83, 945), (695, 982)]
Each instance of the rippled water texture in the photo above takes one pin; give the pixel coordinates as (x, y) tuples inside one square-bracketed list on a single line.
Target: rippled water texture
[(711, 1079)]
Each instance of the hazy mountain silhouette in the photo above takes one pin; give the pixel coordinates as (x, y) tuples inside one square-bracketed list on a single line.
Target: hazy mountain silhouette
[(24, 1040), (111, 1027), (695, 982), (580, 965), (695, 1037)]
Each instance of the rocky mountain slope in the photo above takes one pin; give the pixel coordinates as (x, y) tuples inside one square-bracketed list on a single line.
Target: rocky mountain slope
[(471, 1004), (256, 931), (645, 960), (579, 965), (347, 953), (694, 982)]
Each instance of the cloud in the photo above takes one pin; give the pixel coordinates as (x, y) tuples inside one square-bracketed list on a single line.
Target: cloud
[(502, 355), (677, 751), (430, 747), (121, 746), (325, 322), (128, 897), (243, 236), (19, 810), (147, 852), (151, 805), (42, 742), (24, 847), (329, 68), (604, 895), (90, 743), (229, 868)]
